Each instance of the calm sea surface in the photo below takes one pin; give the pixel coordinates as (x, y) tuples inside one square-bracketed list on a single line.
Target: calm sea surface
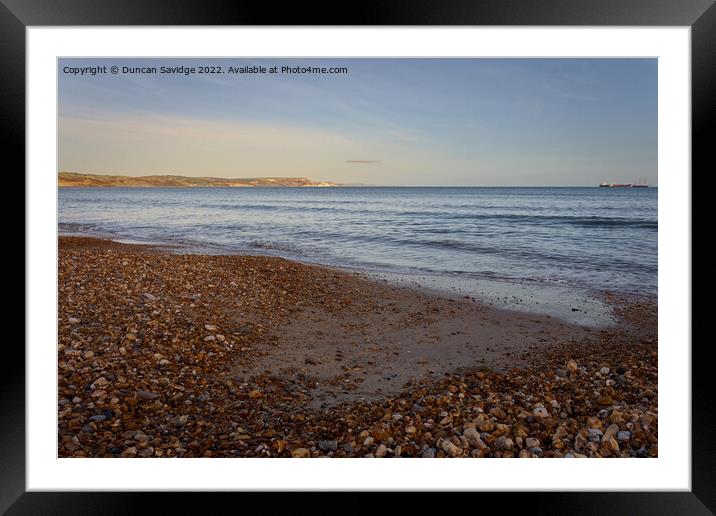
[(598, 238)]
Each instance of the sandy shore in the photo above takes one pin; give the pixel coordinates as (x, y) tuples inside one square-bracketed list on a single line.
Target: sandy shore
[(164, 355)]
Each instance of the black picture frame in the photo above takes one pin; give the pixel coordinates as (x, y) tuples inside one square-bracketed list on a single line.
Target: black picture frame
[(700, 15)]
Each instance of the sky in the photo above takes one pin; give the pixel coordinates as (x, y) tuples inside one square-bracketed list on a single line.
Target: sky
[(397, 122)]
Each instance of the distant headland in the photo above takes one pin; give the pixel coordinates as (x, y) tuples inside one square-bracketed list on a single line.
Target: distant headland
[(70, 179)]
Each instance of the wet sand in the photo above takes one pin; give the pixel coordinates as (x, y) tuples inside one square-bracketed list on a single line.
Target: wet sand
[(165, 354), (372, 349)]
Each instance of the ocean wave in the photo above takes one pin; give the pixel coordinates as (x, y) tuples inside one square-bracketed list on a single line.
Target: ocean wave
[(577, 220), (607, 242), (446, 213)]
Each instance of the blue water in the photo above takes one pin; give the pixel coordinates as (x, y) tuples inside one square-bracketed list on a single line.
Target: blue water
[(596, 238)]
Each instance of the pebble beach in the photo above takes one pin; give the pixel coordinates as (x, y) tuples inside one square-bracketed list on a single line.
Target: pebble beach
[(168, 354)]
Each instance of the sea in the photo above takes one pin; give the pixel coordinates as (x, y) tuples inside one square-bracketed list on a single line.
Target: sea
[(595, 239)]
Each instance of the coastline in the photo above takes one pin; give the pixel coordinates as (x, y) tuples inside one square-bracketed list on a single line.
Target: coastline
[(569, 303), (165, 354)]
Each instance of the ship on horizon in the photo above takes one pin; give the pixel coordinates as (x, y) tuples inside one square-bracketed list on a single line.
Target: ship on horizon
[(639, 184)]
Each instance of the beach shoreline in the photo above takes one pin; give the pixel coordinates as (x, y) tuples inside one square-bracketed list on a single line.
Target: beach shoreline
[(575, 305), (169, 354)]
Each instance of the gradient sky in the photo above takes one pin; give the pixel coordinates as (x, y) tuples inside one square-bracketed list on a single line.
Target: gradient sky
[(451, 122)]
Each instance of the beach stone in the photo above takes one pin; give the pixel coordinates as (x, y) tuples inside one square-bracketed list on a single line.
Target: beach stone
[(623, 435), (327, 446), (484, 424), (410, 430), (520, 430), (616, 417), (379, 434), (428, 453), (255, 394), (73, 320), (146, 452), (541, 412), (449, 448), (99, 383), (498, 412), (381, 451), (99, 393), (300, 453), (130, 452), (531, 442), (210, 327), (572, 366), (473, 438), (610, 432), (147, 395), (504, 443), (595, 435), (605, 400), (149, 297), (562, 373), (611, 445), (604, 371), (130, 336), (594, 422)]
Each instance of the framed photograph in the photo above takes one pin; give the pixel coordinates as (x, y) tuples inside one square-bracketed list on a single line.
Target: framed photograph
[(452, 236)]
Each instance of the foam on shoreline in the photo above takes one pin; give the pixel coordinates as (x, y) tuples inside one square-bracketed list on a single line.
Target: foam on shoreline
[(572, 305)]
